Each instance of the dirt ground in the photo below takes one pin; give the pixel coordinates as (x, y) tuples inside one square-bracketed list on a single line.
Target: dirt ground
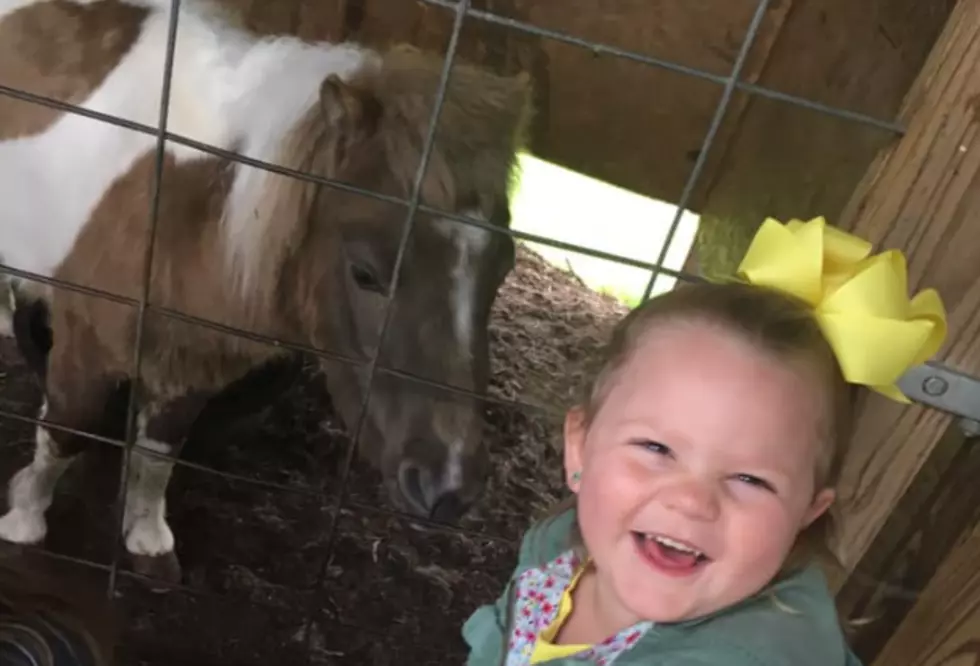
[(254, 556)]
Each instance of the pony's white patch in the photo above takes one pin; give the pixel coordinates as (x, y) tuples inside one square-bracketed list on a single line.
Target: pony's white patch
[(31, 491), (450, 426), (470, 243), (230, 89), (282, 78), (453, 474), (6, 309), (144, 519), (10, 6), (23, 525), (79, 158)]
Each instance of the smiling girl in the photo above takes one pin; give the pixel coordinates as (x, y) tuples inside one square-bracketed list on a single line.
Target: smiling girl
[(703, 462)]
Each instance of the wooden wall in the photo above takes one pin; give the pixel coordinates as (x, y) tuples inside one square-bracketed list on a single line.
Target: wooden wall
[(784, 161), (641, 127), (911, 485)]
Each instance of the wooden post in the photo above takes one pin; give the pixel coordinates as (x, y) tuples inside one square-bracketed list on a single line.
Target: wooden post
[(943, 628), (941, 504), (923, 196), (779, 160)]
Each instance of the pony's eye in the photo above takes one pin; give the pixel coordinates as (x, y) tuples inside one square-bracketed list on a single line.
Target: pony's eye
[(365, 278)]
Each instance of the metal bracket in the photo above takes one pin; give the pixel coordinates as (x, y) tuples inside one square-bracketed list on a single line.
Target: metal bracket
[(949, 390)]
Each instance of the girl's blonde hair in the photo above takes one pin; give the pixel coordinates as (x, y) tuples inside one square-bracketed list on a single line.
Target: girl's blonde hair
[(777, 324)]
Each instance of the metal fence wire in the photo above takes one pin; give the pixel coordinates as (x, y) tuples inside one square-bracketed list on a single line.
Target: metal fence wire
[(462, 12)]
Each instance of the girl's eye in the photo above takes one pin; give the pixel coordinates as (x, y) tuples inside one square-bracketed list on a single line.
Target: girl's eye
[(654, 447), (756, 481)]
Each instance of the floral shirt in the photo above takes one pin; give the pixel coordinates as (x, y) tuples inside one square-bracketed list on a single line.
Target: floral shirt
[(542, 604)]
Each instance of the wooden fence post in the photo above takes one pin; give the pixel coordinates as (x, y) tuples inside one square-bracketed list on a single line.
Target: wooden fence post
[(905, 506)]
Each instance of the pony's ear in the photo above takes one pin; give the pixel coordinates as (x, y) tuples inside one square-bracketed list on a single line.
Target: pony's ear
[(347, 107)]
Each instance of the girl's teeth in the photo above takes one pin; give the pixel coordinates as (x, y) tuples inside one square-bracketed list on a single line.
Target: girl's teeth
[(670, 543)]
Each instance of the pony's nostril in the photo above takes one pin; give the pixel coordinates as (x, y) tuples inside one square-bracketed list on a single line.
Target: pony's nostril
[(413, 481), (425, 496), (447, 508)]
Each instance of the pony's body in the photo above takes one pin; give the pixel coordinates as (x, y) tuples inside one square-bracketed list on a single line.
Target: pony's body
[(228, 91), (245, 247)]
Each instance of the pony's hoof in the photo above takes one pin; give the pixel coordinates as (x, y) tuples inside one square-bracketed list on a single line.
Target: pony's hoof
[(22, 526), (163, 571)]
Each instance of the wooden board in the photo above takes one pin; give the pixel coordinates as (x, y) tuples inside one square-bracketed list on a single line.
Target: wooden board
[(944, 627), (942, 503), (628, 123), (641, 127), (922, 196), (784, 161)]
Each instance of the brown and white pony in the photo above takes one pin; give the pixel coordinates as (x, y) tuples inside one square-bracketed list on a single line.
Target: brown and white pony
[(248, 248)]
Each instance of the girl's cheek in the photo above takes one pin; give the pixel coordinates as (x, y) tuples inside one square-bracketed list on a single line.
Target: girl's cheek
[(636, 478), (625, 471), (612, 476)]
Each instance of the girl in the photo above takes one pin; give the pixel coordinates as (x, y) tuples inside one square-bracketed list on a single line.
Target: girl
[(703, 462)]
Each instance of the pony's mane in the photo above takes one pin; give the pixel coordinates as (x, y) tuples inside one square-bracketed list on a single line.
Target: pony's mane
[(482, 124)]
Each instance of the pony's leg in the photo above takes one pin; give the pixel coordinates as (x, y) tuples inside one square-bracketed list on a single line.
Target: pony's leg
[(76, 403), (163, 427), (32, 330), (31, 489), (7, 306)]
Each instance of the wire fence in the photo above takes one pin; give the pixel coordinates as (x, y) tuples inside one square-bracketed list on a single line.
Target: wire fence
[(463, 11)]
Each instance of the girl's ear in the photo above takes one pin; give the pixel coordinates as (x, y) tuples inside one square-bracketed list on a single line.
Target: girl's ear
[(574, 432), (821, 502)]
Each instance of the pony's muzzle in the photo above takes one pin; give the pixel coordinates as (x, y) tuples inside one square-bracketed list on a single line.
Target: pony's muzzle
[(425, 492)]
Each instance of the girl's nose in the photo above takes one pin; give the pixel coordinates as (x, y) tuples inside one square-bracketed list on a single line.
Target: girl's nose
[(695, 498)]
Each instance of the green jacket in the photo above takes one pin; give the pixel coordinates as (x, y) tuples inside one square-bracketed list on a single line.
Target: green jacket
[(753, 633)]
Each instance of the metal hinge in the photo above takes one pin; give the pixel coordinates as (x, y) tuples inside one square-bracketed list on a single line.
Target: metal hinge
[(949, 390)]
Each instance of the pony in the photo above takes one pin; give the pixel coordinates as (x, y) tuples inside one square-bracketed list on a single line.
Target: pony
[(250, 248)]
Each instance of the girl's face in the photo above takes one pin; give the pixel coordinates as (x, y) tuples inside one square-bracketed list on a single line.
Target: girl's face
[(697, 474)]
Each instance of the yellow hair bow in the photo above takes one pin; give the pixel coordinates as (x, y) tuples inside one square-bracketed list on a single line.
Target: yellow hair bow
[(861, 301)]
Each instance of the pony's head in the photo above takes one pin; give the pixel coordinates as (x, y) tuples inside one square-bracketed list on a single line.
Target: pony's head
[(370, 131)]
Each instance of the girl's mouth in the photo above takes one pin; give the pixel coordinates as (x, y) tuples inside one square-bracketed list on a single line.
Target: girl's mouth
[(669, 555)]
